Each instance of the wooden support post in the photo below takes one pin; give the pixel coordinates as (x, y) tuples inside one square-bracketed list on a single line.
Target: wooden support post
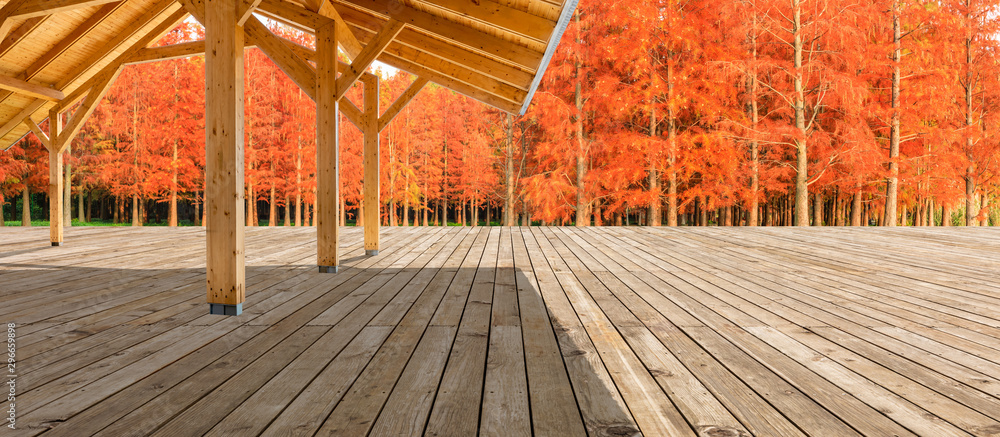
[(224, 200), (327, 151), (371, 163), (55, 182)]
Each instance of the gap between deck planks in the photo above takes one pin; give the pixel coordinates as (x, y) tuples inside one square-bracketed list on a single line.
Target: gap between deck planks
[(513, 331)]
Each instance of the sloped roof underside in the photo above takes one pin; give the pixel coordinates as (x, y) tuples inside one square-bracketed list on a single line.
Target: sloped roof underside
[(495, 51)]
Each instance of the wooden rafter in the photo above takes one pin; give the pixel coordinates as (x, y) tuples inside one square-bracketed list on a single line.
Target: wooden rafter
[(298, 69), (451, 31), (67, 42), (155, 34), (345, 37), (37, 8), (457, 72), (114, 45), (451, 83), (25, 113), (246, 10), (401, 102), (7, 15), (367, 56), (15, 37), (367, 25), (501, 16), (86, 109)]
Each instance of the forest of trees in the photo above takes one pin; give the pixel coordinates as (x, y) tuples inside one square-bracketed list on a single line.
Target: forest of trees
[(653, 112)]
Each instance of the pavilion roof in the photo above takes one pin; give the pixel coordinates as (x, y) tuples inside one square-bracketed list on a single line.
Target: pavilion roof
[(53, 53)]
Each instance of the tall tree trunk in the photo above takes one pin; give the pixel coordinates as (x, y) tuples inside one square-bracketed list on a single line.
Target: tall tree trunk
[(801, 156), (298, 181), (971, 211), (856, 209), (172, 215), (930, 212), (582, 215), (79, 207), (751, 86), (655, 212), (892, 187), (26, 206), (704, 211), (671, 149), (985, 206), (508, 204), (272, 204), (818, 209), (525, 217), (136, 220), (970, 172), (288, 210), (251, 203), (68, 187)]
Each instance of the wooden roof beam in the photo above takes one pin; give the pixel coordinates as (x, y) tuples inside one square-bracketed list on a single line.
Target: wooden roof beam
[(66, 43), (154, 35), (345, 38), (85, 110), (450, 82), (368, 24), (246, 10), (37, 8), (367, 56), (29, 89), (151, 15), (299, 70), (19, 118), (18, 34), (452, 31), (500, 16), (401, 102), (7, 15)]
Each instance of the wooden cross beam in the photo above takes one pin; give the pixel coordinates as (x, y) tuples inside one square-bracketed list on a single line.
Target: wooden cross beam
[(30, 89), (297, 69), (401, 102), (37, 8), (64, 44), (8, 14), (38, 133), (246, 10), (18, 34), (368, 55)]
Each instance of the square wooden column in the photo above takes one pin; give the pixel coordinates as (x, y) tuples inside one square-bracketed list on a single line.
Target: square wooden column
[(224, 201), (371, 164), (327, 151), (55, 182)]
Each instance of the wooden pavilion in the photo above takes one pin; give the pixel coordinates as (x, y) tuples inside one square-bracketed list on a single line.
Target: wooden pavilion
[(59, 57)]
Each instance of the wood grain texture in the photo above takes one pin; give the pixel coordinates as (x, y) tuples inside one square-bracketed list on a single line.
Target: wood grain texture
[(327, 148), (372, 203), (224, 202), (511, 331)]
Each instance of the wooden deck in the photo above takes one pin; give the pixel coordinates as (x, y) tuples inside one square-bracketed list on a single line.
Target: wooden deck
[(511, 332)]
